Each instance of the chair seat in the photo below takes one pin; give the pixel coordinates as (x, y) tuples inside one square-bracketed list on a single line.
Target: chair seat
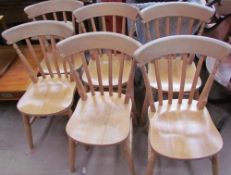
[(47, 96), (183, 131), (104, 69), (100, 120), (176, 75), (77, 64)]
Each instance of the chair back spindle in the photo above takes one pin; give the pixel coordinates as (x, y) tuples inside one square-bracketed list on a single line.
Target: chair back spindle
[(46, 32), (184, 15), (54, 10), (107, 42), (183, 45)]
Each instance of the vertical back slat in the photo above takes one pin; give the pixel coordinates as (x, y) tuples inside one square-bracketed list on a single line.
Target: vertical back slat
[(98, 68), (158, 81), (41, 42), (55, 56), (190, 26), (205, 92), (195, 78), (201, 28), (148, 32), (85, 67), (76, 77), (83, 27), (123, 25), (64, 16), (179, 23), (148, 89), (44, 17), (109, 53), (130, 83), (120, 78), (34, 56), (73, 23), (157, 28), (65, 68), (183, 76), (170, 81), (167, 26), (114, 23), (93, 25), (104, 23), (26, 64), (55, 16), (132, 29)]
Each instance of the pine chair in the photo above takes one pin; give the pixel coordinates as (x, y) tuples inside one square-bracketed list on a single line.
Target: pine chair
[(173, 18), (49, 94), (181, 128), (101, 117), (113, 17), (54, 10), (58, 10)]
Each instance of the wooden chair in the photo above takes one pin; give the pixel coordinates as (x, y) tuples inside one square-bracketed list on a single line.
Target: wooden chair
[(113, 17), (49, 94), (173, 18), (181, 128), (54, 10), (58, 10), (101, 117)]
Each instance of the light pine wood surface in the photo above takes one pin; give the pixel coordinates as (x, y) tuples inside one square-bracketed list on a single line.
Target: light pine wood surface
[(181, 131), (104, 60), (100, 120), (48, 93), (47, 96), (102, 116), (181, 128), (176, 75), (77, 63), (60, 10)]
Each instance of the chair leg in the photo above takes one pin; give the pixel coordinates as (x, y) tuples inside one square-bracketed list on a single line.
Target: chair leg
[(151, 160), (72, 152), (215, 165), (134, 109), (27, 127), (144, 109), (127, 150)]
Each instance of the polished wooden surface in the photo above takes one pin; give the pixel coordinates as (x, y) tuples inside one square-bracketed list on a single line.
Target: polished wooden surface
[(7, 57), (49, 93), (181, 128), (47, 96), (183, 132), (176, 75), (116, 60), (76, 63), (102, 116), (15, 80), (100, 120)]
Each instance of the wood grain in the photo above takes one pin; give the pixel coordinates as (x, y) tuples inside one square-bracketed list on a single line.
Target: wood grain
[(100, 120)]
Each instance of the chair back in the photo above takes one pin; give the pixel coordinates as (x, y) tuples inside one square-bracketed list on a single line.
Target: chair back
[(181, 46), (109, 16), (47, 32), (174, 18), (107, 42), (53, 10)]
